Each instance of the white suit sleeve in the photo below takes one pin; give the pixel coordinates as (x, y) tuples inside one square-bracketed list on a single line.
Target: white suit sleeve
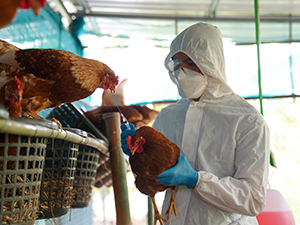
[(245, 192)]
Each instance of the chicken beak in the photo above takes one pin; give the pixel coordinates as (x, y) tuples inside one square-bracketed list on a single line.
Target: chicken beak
[(17, 96), (36, 11), (14, 98), (112, 89), (133, 150)]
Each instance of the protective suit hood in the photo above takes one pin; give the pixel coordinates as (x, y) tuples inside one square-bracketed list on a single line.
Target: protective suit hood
[(204, 45)]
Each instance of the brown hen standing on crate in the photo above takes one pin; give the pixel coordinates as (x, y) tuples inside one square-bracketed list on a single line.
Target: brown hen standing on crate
[(52, 77)]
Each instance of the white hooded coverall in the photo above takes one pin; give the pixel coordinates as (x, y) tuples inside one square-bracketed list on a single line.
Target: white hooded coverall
[(224, 138)]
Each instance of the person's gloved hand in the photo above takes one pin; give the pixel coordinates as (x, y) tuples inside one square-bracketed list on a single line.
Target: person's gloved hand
[(124, 134), (180, 174)]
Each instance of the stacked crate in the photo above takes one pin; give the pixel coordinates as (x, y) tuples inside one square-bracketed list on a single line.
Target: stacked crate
[(44, 171)]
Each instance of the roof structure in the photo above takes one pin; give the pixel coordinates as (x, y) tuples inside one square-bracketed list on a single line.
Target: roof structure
[(280, 19)]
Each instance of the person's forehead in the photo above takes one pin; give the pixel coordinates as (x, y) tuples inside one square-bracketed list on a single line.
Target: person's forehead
[(180, 55)]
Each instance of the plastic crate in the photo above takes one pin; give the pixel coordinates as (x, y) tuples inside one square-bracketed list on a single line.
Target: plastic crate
[(57, 192), (86, 168), (71, 117), (37, 168), (85, 174), (21, 166)]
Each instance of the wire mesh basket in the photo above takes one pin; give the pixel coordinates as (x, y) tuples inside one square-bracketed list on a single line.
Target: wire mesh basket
[(21, 166), (85, 174), (57, 192)]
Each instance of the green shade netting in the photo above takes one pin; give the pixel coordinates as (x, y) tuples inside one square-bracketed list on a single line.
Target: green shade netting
[(43, 31)]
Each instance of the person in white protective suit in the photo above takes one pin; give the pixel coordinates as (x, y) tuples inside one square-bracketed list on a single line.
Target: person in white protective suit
[(222, 173)]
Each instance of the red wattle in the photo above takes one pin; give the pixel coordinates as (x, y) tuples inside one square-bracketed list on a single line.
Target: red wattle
[(105, 87), (12, 100)]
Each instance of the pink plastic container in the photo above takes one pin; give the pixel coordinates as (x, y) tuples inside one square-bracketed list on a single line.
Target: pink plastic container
[(277, 210)]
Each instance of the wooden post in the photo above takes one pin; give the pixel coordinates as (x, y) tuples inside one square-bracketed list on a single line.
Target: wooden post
[(118, 169)]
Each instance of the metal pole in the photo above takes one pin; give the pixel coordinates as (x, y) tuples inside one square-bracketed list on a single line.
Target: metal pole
[(118, 169), (257, 19), (150, 212)]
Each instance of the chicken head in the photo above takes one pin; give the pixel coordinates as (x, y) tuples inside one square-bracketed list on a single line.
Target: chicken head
[(13, 91), (110, 81), (137, 146)]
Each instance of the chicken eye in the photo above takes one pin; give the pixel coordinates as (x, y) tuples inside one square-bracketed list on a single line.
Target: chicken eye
[(136, 141)]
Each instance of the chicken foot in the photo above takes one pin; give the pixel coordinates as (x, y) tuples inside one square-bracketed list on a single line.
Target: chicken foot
[(172, 205), (35, 115), (157, 215)]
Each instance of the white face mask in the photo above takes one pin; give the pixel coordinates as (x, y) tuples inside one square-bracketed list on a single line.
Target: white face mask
[(190, 84)]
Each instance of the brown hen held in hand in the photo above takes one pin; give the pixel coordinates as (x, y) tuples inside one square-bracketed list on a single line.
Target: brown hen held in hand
[(151, 153)]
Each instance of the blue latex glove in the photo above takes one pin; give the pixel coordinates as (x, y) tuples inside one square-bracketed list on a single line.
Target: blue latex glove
[(124, 134), (180, 174)]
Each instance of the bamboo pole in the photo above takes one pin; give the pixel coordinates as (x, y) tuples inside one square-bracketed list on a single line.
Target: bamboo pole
[(257, 34), (118, 169), (150, 212)]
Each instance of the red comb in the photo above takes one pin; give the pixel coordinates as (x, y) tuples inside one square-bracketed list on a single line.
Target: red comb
[(18, 82)]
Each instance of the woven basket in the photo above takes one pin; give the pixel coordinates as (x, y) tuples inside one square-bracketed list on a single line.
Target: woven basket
[(57, 193), (85, 174), (21, 166)]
